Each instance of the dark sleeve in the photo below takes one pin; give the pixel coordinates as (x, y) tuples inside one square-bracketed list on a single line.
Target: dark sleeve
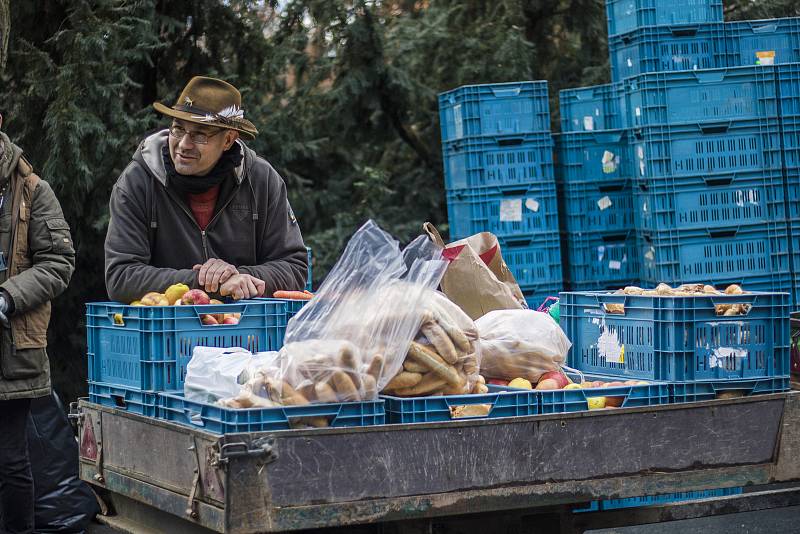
[(50, 250), (129, 275), (285, 264)]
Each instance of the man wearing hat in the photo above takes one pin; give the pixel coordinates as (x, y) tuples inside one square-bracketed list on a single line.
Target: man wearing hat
[(197, 206)]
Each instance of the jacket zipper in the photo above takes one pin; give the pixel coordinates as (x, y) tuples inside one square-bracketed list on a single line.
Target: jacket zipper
[(214, 218)]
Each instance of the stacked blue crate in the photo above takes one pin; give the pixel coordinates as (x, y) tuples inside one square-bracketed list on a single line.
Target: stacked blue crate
[(788, 93), (711, 204), (595, 178), (499, 176)]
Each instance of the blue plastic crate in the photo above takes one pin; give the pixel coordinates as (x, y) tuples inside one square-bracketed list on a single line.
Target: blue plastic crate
[(628, 396), (701, 96), (762, 42), (677, 339), (790, 132), (601, 259), (149, 350), (627, 15), (494, 109), (715, 255), (535, 294), (667, 49), (212, 418), (503, 402), (498, 162), (594, 156), (708, 202), (597, 206), (789, 89), (599, 107), (507, 213), (650, 500), (533, 260), (701, 391), (707, 149), (121, 398)]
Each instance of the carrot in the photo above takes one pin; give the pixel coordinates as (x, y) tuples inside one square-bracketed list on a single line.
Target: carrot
[(294, 295)]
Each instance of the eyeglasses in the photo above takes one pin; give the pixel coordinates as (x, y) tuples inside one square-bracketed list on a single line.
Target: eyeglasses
[(198, 138)]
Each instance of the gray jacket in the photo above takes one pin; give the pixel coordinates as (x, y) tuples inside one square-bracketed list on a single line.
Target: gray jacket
[(153, 239)]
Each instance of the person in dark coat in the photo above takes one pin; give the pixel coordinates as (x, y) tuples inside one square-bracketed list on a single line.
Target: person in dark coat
[(197, 206)]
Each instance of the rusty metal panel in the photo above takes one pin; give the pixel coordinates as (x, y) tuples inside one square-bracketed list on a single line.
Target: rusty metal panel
[(322, 468)]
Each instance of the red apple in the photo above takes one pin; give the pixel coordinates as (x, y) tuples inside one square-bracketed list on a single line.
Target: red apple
[(548, 383), (497, 381), (230, 320), (560, 378), (195, 296), (208, 320), (614, 402)]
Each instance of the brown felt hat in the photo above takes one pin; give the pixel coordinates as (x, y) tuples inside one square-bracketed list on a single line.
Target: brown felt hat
[(211, 102)]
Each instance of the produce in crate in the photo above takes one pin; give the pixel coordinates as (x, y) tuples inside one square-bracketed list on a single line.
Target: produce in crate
[(686, 290), (520, 344)]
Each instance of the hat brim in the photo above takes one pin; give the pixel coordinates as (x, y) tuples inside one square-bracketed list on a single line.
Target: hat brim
[(243, 126)]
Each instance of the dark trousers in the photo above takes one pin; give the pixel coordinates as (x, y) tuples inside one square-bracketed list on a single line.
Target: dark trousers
[(16, 482)]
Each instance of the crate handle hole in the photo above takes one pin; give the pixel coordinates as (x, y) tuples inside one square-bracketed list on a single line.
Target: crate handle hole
[(510, 142), (119, 401), (716, 182)]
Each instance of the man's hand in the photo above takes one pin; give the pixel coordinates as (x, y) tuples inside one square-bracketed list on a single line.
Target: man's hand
[(243, 286), (214, 273)]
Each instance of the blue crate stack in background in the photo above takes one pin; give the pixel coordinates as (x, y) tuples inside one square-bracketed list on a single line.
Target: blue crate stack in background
[(498, 167), (699, 132)]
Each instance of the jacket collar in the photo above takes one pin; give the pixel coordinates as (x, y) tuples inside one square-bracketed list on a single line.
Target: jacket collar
[(150, 150)]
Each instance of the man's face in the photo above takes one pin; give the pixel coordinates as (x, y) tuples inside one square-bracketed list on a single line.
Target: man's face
[(196, 159)]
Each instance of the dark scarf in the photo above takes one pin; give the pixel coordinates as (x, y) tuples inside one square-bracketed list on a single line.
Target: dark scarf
[(194, 185)]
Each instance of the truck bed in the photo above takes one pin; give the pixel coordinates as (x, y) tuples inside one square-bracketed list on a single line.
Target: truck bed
[(302, 479)]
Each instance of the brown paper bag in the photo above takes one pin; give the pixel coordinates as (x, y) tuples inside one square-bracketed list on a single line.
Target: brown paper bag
[(477, 279)]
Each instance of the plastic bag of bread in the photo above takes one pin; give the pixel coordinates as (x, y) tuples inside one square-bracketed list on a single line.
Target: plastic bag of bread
[(444, 358), (520, 343), (352, 338)]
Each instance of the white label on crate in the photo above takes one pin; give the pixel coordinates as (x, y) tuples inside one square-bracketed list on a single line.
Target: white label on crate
[(609, 347), (610, 162), (748, 196), (630, 63), (532, 204), (511, 210), (640, 152), (765, 57), (615, 265), (650, 255), (644, 207), (638, 111), (641, 167), (459, 123), (588, 123), (727, 358), (601, 252), (604, 203)]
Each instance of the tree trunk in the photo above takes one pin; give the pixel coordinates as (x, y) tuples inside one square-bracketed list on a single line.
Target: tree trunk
[(5, 30)]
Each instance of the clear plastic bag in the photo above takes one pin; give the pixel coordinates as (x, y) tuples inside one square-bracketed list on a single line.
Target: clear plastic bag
[(353, 336), (215, 373), (444, 358), (520, 344)]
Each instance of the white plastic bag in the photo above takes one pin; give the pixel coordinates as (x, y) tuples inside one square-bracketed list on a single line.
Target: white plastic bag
[(215, 373), (520, 344), (353, 336)]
